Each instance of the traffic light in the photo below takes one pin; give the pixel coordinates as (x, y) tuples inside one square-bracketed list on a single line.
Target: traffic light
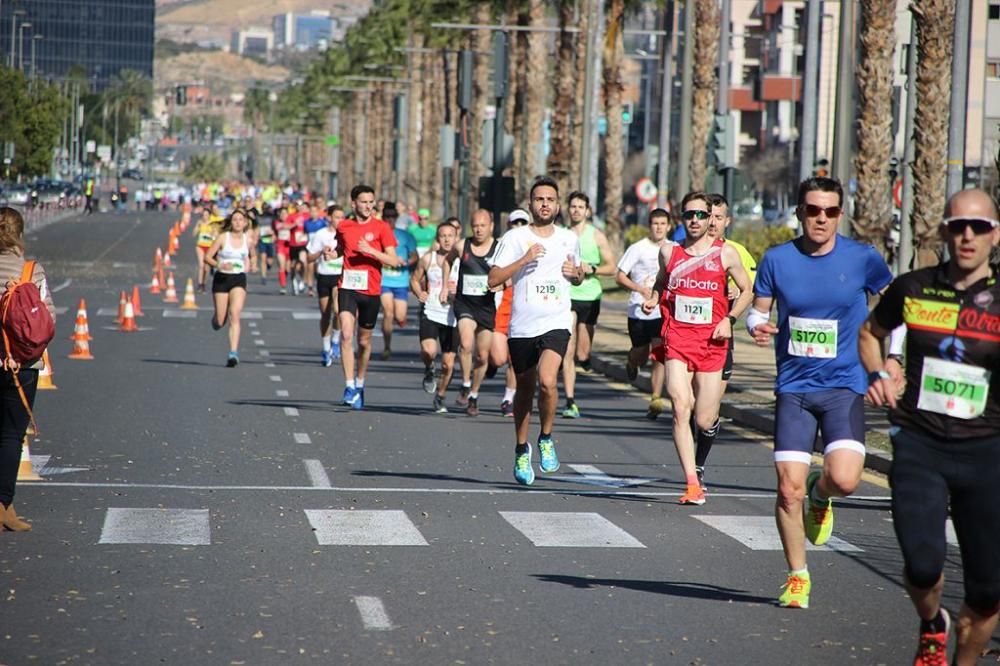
[(465, 75), (627, 113), (723, 142), (181, 95)]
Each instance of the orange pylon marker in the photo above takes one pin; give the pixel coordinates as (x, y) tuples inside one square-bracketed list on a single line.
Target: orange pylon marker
[(45, 382), (81, 328), (176, 243), (128, 322), (25, 470), (167, 263), (154, 286), (189, 302), (170, 296), (121, 308), (136, 302), (158, 259)]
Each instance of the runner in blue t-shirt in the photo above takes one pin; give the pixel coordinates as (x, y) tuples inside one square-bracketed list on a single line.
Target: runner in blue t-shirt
[(396, 281), (316, 221), (821, 282)]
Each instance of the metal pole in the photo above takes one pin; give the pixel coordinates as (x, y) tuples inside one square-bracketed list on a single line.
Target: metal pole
[(905, 254), (843, 132), (723, 101), (34, 69), (13, 36), (596, 61), (20, 43), (959, 94), (810, 90), (666, 94), (687, 103)]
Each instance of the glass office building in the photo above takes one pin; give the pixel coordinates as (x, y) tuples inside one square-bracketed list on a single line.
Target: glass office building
[(101, 36)]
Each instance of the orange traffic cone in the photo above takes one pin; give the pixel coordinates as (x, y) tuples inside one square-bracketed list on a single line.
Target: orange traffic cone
[(25, 470), (81, 346), (171, 294), (176, 243), (189, 302), (45, 382), (157, 259), (81, 330), (167, 263), (128, 321), (154, 286), (121, 308), (136, 302)]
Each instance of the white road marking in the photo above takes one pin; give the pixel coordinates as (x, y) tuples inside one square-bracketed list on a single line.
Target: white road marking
[(373, 614), (254, 332), (572, 530), (178, 527), (259, 342), (596, 477), (107, 312), (181, 314), (274, 378), (364, 528), (270, 365), (264, 352), (250, 315), (302, 438), (250, 324), (305, 315), (317, 474), (61, 311), (281, 393), (291, 411), (62, 286), (760, 533)]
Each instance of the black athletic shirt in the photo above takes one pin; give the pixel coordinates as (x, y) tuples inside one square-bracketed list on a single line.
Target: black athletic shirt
[(471, 264), (944, 324)]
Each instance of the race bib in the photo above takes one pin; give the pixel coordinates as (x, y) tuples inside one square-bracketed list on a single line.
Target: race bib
[(232, 266), (814, 338), (953, 389), (205, 239), (284, 234), (355, 280), (301, 238), (392, 271), (333, 265), (691, 310), (474, 285), (547, 291)]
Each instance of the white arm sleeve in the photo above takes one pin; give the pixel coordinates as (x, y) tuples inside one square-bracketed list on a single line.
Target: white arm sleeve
[(897, 338), (756, 317)]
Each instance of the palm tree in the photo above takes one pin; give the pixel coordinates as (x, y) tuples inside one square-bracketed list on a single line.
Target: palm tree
[(562, 149), (130, 95), (482, 94), (581, 77), (537, 88), (935, 24), (706, 48), (872, 212), (614, 149)]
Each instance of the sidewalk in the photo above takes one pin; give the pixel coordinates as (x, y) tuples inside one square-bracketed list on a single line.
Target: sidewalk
[(749, 400)]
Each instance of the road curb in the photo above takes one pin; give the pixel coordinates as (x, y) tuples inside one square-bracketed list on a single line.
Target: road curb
[(755, 417)]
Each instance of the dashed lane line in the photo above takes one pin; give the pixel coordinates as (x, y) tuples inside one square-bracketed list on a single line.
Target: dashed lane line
[(317, 474), (373, 614), (302, 438)]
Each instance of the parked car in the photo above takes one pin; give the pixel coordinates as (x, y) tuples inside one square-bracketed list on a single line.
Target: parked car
[(16, 195), (133, 174)]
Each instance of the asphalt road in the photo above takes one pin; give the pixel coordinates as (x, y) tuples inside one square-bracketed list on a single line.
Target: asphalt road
[(196, 514)]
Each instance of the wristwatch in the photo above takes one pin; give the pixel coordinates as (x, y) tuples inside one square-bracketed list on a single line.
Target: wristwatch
[(898, 358), (732, 320), (877, 375)]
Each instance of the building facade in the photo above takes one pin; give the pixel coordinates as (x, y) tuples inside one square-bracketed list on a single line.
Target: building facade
[(103, 37)]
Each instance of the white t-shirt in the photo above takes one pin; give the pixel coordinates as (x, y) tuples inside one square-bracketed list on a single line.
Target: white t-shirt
[(434, 309), (641, 263), (325, 237), (541, 293)]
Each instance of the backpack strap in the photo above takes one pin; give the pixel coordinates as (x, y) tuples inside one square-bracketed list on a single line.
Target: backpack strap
[(27, 271)]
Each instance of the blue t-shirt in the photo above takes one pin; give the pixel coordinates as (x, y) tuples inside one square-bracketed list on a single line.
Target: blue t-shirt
[(400, 277), (822, 303), (313, 224)]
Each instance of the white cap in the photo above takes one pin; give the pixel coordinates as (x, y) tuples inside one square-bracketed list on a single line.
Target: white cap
[(518, 214)]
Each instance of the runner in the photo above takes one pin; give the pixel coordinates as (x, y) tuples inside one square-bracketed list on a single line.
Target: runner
[(499, 352), (396, 281), (821, 281), (283, 234), (429, 283), (585, 297), (637, 272), (542, 260), (297, 248), (265, 243), (322, 251), (697, 326), (205, 231), (367, 244), (423, 231), (317, 220), (232, 255), (719, 223), (475, 307), (945, 441)]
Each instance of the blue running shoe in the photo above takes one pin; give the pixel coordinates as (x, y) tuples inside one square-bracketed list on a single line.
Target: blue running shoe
[(523, 473), (232, 360), (335, 351), (350, 395), (327, 359), (548, 461), (359, 402)]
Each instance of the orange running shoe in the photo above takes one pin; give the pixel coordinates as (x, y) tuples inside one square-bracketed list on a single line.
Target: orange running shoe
[(693, 495)]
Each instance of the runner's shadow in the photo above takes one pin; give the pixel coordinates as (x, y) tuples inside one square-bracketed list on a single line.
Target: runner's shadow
[(166, 361), (435, 477), (674, 589), (309, 405)]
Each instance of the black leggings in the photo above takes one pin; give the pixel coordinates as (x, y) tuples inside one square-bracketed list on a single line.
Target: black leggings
[(13, 423), (927, 475)]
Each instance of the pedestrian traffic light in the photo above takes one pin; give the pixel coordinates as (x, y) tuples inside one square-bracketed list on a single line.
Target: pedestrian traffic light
[(627, 116), (465, 76), (182, 95), (723, 144)]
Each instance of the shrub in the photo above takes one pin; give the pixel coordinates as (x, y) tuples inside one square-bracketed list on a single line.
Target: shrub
[(757, 239)]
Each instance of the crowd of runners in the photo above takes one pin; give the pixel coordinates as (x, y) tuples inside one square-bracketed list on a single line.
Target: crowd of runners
[(528, 299)]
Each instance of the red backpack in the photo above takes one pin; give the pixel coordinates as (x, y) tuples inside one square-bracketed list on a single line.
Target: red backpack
[(26, 323)]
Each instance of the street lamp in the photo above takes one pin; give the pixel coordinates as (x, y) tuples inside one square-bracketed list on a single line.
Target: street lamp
[(13, 29), (20, 47), (34, 69)]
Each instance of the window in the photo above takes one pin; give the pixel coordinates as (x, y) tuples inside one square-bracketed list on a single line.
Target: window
[(993, 69), (995, 12)]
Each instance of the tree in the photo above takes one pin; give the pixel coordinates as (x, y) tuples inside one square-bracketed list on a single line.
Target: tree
[(872, 207), (706, 50), (129, 96), (537, 88), (935, 25), (614, 149), (562, 148), (207, 167), (31, 118)]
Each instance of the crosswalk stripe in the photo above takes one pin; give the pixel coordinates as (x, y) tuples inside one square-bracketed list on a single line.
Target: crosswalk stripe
[(373, 614), (291, 411), (180, 314), (178, 527), (305, 315), (595, 476), (336, 527), (274, 378), (760, 533), (317, 474), (302, 438), (570, 530), (250, 315), (281, 393), (264, 352), (258, 342)]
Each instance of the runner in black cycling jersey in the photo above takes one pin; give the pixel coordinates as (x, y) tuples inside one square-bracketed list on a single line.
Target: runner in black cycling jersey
[(946, 435)]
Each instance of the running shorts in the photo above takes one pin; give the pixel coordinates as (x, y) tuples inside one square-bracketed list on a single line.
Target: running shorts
[(222, 283), (444, 334), (484, 316), (699, 356), (837, 414), (928, 477), (643, 331), (295, 250), (398, 293), (586, 311), (364, 307), (727, 369), (325, 284), (265, 249), (525, 352)]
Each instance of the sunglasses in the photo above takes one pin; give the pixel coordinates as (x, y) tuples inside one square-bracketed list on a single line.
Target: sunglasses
[(695, 215), (812, 210), (979, 225)]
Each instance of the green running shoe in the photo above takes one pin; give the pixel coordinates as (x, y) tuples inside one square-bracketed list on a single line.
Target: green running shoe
[(819, 517), (523, 473), (571, 412), (795, 592), (548, 461)]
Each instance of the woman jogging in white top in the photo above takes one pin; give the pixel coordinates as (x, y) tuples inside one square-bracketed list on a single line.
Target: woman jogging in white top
[(233, 255)]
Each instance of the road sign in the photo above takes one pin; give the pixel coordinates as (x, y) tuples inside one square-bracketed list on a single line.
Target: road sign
[(91, 146), (332, 140), (645, 190)]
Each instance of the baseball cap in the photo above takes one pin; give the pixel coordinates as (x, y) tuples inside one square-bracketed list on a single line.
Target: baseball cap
[(518, 215), (424, 212)]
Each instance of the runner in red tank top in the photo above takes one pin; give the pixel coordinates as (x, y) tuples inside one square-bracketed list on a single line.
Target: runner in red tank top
[(697, 326)]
